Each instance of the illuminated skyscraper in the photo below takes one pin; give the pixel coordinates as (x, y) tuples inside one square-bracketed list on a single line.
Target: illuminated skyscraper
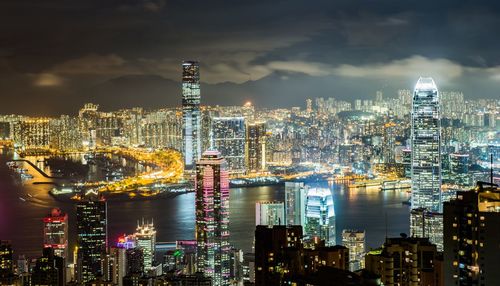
[(228, 137), (426, 198), (145, 236), (269, 213), (295, 203), (212, 217), (320, 215), (191, 113), (355, 241), (55, 232), (92, 236), (256, 147), (425, 149)]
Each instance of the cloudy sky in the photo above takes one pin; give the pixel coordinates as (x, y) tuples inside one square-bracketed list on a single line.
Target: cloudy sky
[(56, 55)]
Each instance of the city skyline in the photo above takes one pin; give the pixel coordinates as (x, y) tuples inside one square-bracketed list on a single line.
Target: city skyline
[(261, 144)]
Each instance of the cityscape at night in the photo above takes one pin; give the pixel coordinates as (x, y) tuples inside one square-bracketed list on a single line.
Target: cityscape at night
[(184, 143)]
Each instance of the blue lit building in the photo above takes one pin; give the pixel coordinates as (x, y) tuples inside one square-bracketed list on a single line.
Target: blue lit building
[(320, 216)]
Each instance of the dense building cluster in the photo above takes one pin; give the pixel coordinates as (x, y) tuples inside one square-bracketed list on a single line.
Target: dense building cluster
[(437, 142)]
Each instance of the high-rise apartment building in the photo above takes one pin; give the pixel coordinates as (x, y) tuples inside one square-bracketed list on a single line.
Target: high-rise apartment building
[(471, 237), (228, 137), (354, 240), (55, 232), (255, 147), (212, 217), (295, 203), (191, 113), (269, 213), (320, 216), (145, 237), (272, 245), (406, 261), (91, 223)]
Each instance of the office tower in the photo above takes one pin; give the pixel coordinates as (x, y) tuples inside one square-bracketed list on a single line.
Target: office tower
[(145, 237), (320, 216), (425, 141), (49, 269), (212, 217), (295, 203), (191, 113), (228, 137), (135, 261), (424, 223), (6, 263), (55, 232), (91, 223), (256, 147), (274, 248), (354, 240), (269, 213), (426, 197), (406, 261), (471, 237)]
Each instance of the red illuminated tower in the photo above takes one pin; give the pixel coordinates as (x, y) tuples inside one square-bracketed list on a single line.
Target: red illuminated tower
[(55, 232)]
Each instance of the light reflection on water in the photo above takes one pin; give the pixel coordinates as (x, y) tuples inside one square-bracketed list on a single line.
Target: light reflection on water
[(174, 218)]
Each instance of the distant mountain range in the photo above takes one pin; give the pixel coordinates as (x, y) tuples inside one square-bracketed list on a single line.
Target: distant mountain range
[(153, 92)]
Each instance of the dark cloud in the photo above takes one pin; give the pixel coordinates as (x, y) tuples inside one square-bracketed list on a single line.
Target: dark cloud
[(51, 49)]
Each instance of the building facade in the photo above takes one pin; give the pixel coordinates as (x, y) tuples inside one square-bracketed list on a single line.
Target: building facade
[(269, 213), (191, 114), (55, 232), (255, 147), (145, 237), (91, 219), (425, 147), (295, 203), (354, 240), (320, 216), (212, 217), (228, 137), (471, 232)]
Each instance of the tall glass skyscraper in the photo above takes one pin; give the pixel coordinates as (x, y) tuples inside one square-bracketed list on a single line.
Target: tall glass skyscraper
[(425, 147), (212, 217), (191, 113), (228, 137), (91, 223), (320, 215)]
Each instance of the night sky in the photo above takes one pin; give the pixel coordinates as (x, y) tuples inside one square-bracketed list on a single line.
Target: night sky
[(56, 55)]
